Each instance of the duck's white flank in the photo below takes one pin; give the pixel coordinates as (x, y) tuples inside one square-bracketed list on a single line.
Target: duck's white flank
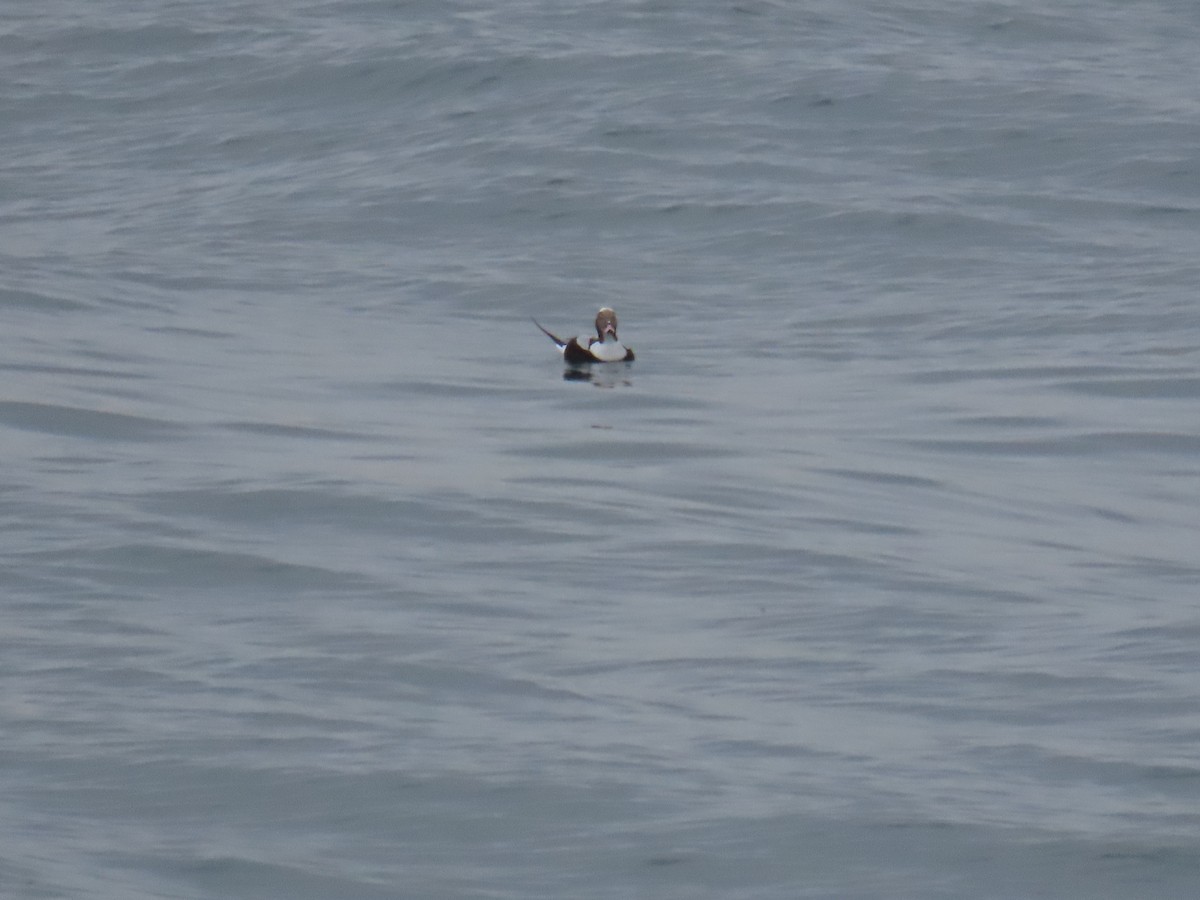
[(610, 350)]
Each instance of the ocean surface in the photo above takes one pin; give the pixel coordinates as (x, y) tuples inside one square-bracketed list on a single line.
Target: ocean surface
[(876, 576)]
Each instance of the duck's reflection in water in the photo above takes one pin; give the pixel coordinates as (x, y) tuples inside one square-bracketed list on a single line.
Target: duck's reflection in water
[(608, 375)]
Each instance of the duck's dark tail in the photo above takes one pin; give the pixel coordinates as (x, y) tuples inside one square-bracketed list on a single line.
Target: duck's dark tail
[(558, 342)]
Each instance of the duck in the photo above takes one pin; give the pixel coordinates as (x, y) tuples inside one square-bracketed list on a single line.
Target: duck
[(605, 347)]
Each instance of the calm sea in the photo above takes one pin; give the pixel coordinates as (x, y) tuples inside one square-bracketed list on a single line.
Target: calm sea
[(875, 576)]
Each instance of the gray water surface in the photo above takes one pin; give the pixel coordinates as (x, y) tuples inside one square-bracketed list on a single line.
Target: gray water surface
[(874, 577)]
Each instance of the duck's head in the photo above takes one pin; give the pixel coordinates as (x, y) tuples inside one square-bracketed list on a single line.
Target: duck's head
[(606, 324)]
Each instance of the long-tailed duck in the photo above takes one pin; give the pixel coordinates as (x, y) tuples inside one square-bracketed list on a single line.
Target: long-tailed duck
[(603, 348)]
